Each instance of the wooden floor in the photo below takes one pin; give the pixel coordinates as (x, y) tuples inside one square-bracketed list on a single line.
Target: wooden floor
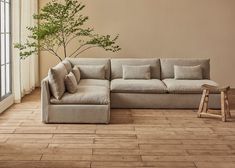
[(135, 138)]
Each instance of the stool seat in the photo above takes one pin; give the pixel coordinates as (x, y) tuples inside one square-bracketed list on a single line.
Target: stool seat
[(203, 107), (219, 88)]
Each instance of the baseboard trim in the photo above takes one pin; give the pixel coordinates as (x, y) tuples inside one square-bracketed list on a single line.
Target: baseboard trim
[(6, 103)]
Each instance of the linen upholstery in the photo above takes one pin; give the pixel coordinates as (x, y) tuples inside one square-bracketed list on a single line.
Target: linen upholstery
[(93, 114), (136, 72), (116, 64), (92, 71), (167, 66), (138, 86), (69, 113), (90, 108), (187, 86), (67, 65), (56, 80), (76, 73), (45, 98), (96, 95), (188, 72), (92, 61), (71, 83), (161, 101), (94, 82)]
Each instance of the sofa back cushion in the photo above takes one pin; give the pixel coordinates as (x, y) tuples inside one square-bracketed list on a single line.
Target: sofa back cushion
[(92, 61), (117, 70), (167, 66)]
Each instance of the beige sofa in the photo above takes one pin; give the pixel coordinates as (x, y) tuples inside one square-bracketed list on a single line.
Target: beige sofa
[(94, 98)]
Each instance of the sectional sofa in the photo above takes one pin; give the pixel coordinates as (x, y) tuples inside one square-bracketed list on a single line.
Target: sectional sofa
[(127, 83)]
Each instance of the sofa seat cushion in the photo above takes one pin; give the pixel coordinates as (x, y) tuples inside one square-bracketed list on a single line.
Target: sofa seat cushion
[(92, 95), (94, 82), (138, 86), (187, 86)]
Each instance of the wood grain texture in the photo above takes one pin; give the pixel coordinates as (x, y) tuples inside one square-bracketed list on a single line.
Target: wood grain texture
[(135, 138)]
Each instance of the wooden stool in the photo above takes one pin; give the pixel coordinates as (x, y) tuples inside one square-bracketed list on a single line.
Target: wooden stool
[(203, 107)]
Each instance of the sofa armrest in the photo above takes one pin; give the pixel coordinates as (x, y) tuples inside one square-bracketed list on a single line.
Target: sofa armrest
[(45, 99)]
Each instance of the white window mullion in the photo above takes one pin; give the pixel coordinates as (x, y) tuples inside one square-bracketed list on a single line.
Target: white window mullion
[(6, 98)]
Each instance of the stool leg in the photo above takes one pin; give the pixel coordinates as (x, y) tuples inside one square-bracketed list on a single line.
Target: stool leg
[(201, 103), (206, 101), (227, 105), (223, 107)]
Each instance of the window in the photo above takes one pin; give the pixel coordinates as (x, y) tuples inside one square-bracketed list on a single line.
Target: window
[(5, 43)]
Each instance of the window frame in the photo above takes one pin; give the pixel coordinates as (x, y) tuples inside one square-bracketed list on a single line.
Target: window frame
[(5, 64)]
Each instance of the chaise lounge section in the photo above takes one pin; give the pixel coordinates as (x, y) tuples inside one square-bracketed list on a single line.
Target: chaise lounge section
[(89, 104)]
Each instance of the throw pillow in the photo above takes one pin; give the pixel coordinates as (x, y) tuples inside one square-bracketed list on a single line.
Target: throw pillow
[(92, 71), (76, 73), (56, 80), (67, 65), (136, 72), (188, 72), (71, 83)]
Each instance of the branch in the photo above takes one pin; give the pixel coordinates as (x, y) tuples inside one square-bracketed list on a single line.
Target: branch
[(85, 50), (56, 54), (63, 40), (65, 52), (53, 53), (78, 49), (71, 39)]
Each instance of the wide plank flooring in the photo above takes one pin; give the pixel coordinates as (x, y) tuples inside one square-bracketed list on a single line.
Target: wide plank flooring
[(135, 138)]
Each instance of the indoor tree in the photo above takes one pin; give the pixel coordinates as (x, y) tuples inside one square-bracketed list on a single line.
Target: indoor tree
[(59, 24)]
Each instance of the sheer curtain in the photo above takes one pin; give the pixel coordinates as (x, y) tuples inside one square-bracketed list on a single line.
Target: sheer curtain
[(25, 72)]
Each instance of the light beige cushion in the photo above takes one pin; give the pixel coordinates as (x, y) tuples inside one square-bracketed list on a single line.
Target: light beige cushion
[(92, 71), (67, 65), (92, 61), (94, 82), (167, 66), (136, 72), (116, 66), (188, 72), (187, 86), (71, 83), (56, 76), (76, 73), (138, 86), (92, 95)]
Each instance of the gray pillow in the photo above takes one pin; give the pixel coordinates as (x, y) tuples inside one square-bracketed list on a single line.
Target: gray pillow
[(136, 72), (71, 83), (67, 65), (188, 72), (56, 80), (92, 71), (76, 73)]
